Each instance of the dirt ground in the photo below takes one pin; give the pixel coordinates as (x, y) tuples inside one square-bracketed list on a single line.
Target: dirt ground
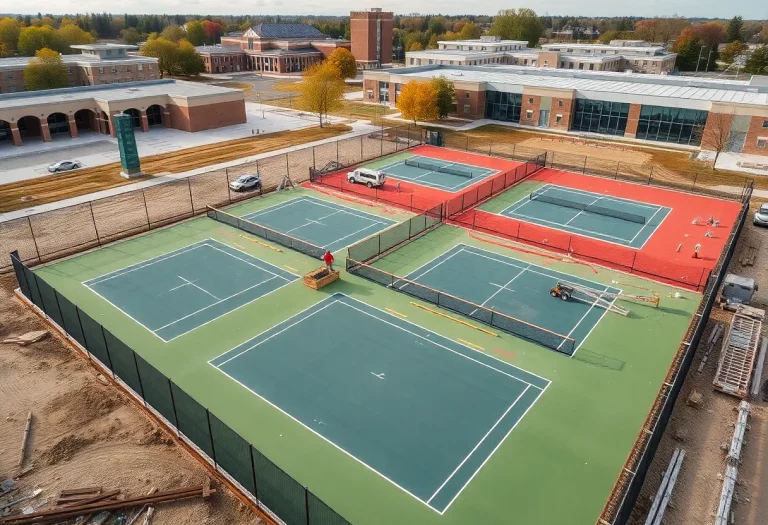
[(591, 148), (52, 188), (701, 431), (87, 433)]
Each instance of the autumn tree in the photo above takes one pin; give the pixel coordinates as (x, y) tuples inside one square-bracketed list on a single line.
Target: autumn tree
[(418, 101), (213, 31), (131, 36), (470, 31), (32, 39), (696, 46), (731, 51), (416, 46), (174, 33), (521, 24), (719, 134), (757, 63), (446, 96), (196, 33), (45, 71), (733, 32), (9, 33), (4, 50), (188, 60), (660, 29), (164, 51), (70, 35), (321, 90), (344, 61)]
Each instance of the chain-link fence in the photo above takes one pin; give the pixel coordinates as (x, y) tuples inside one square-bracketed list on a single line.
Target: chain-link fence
[(53, 234), (228, 452)]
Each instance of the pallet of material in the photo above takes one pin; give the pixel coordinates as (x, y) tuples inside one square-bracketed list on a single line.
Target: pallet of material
[(750, 254), (321, 277), (737, 357)]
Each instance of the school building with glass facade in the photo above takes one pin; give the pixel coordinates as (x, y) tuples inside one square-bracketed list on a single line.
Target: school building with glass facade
[(685, 111)]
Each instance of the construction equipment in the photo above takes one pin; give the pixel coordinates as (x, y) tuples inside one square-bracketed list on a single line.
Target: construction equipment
[(600, 298)]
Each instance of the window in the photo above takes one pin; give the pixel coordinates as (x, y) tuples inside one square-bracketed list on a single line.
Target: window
[(140, 67), (466, 108), (466, 95), (599, 116), (645, 62), (525, 62), (101, 71), (570, 65), (562, 64), (530, 100), (765, 123), (114, 70), (581, 65), (150, 68), (503, 106), (591, 67), (761, 143), (558, 119), (560, 103), (10, 75), (677, 125), (529, 114)]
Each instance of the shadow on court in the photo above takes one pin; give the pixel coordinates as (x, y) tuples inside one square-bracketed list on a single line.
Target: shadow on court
[(598, 359)]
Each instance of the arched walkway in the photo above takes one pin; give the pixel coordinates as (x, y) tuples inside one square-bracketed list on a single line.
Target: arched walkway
[(5, 133), (85, 119), (136, 115), (155, 115), (57, 124), (104, 123), (29, 127)]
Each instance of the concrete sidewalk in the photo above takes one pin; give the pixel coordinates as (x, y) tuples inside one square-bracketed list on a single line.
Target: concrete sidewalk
[(358, 128)]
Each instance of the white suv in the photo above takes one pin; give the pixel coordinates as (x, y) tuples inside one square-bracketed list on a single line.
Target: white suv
[(365, 176)]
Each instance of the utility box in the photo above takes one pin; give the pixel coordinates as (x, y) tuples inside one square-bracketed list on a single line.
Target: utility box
[(737, 290)]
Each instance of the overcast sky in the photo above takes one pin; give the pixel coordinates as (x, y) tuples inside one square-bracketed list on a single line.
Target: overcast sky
[(749, 9)]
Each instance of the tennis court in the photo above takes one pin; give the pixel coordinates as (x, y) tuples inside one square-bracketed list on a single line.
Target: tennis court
[(420, 410), (436, 173), (326, 224), (172, 294), (611, 219), (514, 288)]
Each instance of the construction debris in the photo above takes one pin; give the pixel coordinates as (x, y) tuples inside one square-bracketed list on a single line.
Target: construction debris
[(758, 379), (732, 469), (711, 343), (28, 338), (91, 504), (695, 399), (24, 440), (663, 495), (750, 254), (737, 358)]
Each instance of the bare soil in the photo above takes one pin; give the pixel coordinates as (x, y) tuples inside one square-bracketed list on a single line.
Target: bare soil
[(701, 431), (52, 188), (86, 432)]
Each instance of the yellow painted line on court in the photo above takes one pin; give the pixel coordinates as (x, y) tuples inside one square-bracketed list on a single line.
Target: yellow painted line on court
[(290, 268), (390, 310), (238, 246), (471, 344), (262, 243), (478, 328)]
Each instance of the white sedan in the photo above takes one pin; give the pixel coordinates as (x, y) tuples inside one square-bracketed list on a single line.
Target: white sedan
[(245, 182), (64, 165)]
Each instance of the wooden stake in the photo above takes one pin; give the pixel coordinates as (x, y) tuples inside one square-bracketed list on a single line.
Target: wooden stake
[(25, 439)]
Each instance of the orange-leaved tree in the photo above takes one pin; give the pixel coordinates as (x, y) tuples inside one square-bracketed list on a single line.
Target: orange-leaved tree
[(418, 101)]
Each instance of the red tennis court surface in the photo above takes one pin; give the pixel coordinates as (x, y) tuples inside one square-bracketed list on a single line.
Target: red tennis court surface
[(658, 259), (416, 197)]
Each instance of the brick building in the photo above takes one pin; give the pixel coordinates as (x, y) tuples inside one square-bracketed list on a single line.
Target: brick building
[(685, 111), (188, 106), (371, 38), (623, 55), (96, 65), (270, 48)]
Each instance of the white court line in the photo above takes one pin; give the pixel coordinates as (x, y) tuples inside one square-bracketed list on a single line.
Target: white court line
[(187, 281), (656, 228), (301, 226), (251, 264), (274, 207), (582, 211), (354, 233), (504, 287), (594, 234), (605, 311), (429, 269), (494, 450), (139, 266), (645, 225), (217, 302), (479, 443), (599, 297), (575, 191), (128, 316)]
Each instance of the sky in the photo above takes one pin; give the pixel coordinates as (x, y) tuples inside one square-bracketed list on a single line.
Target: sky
[(749, 9)]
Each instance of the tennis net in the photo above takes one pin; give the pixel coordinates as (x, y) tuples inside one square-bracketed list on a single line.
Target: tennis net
[(588, 207), (450, 169)]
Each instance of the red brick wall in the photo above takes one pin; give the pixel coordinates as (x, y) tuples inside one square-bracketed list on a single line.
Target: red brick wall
[(756, 130), (476, 101), (198, 118), (530, 106), (566, 110), (373, 85), (632, 119), (717, 124), (363, 32)]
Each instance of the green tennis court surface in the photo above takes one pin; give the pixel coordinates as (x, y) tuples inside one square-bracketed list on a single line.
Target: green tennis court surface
[(172, 294), (323, 223), (358, 376), (612, 219), (430, 172), (512, 287)]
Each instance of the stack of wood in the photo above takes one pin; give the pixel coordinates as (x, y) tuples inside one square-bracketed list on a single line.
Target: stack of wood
[(92, 502)]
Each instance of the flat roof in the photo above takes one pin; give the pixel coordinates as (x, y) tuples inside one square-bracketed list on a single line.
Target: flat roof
[(106, 45), (483, 42), (112, 93), (603, 47), (75, 60), (687, 88), (219, 49)]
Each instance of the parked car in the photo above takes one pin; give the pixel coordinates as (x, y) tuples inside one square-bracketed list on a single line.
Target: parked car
[(64, 165), (246, 182), (365, 176), (761, 217)]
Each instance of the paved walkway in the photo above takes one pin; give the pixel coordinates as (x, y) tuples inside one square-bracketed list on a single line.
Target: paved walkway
[(358, 128)]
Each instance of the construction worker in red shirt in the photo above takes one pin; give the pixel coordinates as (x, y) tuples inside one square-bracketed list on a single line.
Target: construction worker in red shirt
[(328, 260)]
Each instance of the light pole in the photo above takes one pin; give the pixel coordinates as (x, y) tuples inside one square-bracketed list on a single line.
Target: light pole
[(709, 57), (699, 60)]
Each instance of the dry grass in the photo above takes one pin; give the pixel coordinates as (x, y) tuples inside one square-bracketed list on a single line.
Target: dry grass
[(292, 86), (81, 182), (242, 86), (350, 109)]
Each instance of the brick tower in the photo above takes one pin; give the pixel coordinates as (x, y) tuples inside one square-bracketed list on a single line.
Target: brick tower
[(371, 38)]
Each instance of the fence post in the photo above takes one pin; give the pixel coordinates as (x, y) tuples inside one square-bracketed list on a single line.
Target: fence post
[(95, 228), (173, 404), (584, 169), (616, 176), (490, 148), (138, 374), (109, 356), (80, 322), (695, 178), (361, 149), (253, 473), (287, 166), (650, 176), (34, 241), (191, 200), (314, 165), (466, 147), (226, 183), (306, 503), (146, 209), (210, 435)]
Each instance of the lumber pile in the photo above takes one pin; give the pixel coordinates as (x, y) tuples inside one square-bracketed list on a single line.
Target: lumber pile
[(737, 357), (750, 254), (93, 502)]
